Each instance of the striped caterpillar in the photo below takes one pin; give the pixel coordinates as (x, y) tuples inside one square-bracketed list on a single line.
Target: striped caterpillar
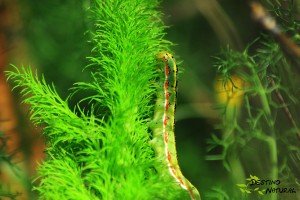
[(163, 137)]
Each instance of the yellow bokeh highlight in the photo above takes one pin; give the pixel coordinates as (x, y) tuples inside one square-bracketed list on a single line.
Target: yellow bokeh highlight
[(230, 93)]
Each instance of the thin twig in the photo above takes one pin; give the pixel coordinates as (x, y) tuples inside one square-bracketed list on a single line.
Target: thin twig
[(285, 108)]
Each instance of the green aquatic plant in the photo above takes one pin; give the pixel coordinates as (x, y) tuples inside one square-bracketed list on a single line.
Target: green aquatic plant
[(102, 151), (261, 136)]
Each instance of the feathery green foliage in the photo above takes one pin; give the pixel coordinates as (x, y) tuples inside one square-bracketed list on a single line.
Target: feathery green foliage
[(262, 140), (104, 153)]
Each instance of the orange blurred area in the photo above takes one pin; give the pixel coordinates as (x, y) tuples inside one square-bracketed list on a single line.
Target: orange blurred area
[(20, 145)]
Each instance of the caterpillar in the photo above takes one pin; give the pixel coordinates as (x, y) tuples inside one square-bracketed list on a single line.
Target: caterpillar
[(164, 120)]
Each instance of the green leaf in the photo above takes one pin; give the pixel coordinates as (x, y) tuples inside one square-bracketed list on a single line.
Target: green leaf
[(260, 192), (242, 190), (242, 185)]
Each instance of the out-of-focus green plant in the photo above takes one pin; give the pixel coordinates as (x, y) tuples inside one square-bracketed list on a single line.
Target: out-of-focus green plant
[(6, 159), (260, 132)]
